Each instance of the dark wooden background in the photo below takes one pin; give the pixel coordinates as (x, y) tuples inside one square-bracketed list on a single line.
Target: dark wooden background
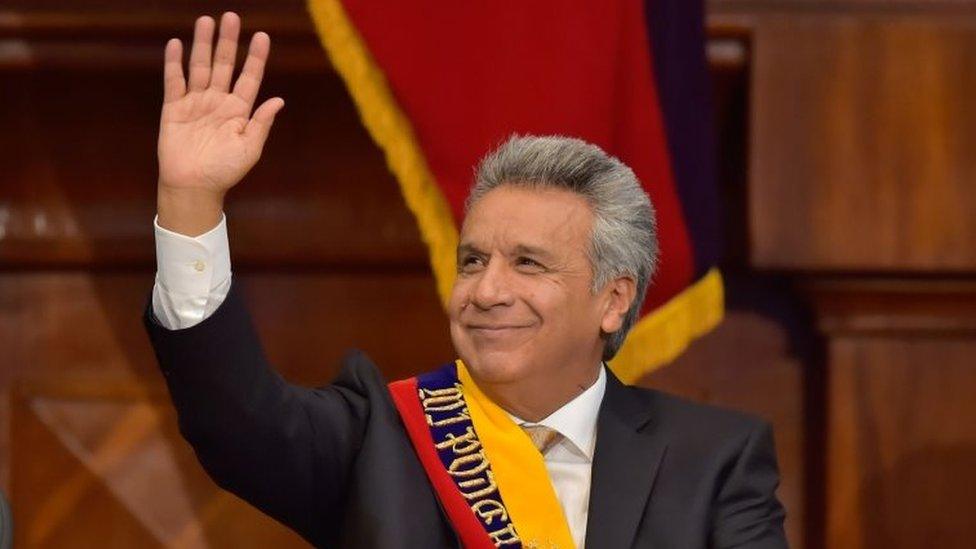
[(847, 131)]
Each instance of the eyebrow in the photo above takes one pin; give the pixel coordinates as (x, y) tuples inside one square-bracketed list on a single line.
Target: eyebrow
[(522, 249), (466, 248)]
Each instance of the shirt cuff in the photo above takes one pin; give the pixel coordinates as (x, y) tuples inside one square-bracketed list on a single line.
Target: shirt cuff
[(192, 266)]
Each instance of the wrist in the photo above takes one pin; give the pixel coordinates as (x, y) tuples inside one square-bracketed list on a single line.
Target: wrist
[(189, 212)]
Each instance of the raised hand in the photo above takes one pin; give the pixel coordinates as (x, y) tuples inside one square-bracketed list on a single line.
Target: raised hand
[(208, 138)]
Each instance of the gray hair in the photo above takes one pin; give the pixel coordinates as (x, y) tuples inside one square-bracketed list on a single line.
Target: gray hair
[(624, 238)]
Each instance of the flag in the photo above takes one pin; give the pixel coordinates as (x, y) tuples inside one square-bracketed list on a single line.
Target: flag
[(439, 84)]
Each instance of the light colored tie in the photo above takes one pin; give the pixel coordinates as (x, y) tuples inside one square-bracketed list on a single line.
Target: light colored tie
[(542, 437)]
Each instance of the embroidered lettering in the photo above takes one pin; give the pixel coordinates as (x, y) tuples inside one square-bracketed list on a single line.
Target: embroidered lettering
[(460, 444), (478, 458), (488, 509), (504, 536), (475, 482), (456, 390), (462, 416), (462, 453), (442, 400)]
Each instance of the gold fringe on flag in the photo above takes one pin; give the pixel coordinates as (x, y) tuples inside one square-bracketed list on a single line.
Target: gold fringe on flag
[(657, 339), (392, 131), (666, 332)]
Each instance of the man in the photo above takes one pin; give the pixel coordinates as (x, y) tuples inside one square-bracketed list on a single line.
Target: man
[(528, 439)]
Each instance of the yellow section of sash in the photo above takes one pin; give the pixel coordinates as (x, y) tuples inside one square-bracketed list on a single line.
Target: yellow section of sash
[(519, 470)]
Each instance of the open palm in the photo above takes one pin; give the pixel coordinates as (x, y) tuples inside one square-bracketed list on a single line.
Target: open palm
[(208, 139)]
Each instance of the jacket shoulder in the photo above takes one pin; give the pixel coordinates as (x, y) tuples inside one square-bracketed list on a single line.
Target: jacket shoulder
[(696, 424)]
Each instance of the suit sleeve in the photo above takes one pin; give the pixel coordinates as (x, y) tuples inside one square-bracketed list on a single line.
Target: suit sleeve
[(285, 449), (748, 514)]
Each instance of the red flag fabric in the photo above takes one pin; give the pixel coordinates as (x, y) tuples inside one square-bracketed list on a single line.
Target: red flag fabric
[(439, 84)]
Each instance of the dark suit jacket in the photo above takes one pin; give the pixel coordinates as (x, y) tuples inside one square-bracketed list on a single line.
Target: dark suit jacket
[(335, 464)]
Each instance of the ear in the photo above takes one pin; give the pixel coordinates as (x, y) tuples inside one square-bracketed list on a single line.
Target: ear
[(620, 295)]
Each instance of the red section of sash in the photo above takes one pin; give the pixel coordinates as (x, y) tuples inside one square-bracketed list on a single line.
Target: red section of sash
[(471, 532)]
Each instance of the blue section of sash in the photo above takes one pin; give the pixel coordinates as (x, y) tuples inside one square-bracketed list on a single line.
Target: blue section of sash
[(446, 378)]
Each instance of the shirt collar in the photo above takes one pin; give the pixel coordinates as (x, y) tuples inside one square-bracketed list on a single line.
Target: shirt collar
[(576, 420)]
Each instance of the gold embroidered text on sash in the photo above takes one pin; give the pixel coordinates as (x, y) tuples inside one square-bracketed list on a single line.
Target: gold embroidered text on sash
[(466, 462)]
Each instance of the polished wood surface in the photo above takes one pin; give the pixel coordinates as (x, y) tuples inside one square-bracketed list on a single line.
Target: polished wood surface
[(899, 411), (105, 467), (81, 173), (901, 451), (863, 132)]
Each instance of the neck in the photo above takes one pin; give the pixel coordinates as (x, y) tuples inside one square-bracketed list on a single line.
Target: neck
[(536, 399)]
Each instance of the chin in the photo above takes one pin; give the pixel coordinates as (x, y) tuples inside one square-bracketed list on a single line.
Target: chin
[(494, 360), (495, 367)]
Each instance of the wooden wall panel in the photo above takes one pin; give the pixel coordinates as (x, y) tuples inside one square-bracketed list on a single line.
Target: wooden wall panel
[(78, 185), (900, 418), (900, 458), (860, 164), (77, 325), (862, 140), (102, 465)]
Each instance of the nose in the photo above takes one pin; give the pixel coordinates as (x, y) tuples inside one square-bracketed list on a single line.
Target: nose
[(492, 288)]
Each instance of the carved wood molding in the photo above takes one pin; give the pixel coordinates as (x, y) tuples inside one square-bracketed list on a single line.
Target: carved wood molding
[(120, 39), (125, 40), (929, 307)]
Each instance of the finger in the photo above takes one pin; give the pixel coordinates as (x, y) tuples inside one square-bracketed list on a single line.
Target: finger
[(200, 55), (249, 81), (226, 52), (256, 131), (174, 85)]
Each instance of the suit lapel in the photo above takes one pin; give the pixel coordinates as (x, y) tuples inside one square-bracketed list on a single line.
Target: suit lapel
[(625, 464)]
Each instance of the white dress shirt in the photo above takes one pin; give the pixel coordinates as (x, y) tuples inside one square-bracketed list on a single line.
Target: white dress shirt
[(569, 462), (193, 277)]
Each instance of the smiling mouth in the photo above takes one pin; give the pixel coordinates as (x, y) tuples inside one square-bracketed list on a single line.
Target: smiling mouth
[(496, 328)]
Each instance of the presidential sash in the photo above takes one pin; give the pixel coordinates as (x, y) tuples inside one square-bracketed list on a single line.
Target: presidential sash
[(488, 476)]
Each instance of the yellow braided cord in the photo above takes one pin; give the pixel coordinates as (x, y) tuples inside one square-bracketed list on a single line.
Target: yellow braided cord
[(662, 335), (392, 131)]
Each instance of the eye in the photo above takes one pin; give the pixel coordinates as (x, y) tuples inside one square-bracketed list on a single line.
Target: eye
[(528, 263), (470, 263)]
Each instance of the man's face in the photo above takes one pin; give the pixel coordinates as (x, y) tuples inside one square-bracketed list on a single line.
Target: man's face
[(522, 305)]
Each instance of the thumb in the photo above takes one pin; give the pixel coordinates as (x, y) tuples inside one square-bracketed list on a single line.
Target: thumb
[(256, 131)]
